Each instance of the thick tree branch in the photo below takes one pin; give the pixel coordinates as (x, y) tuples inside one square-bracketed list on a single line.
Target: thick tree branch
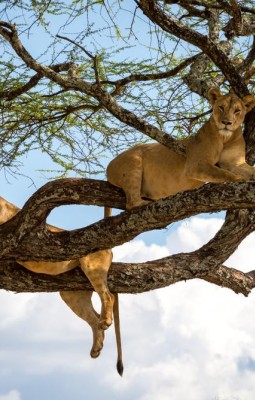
[(204, 263), (29, 226), (217, 5), (129, 278), (169, 24), (237, 16)]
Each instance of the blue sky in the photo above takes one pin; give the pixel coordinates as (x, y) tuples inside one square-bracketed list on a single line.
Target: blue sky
[(191, 340)]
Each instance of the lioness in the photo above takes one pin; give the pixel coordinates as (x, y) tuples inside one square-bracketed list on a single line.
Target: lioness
[(215, 154), (95, 266)]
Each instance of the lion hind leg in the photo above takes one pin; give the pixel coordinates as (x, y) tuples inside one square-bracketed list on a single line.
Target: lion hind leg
[(126, 171), (132, 186), (96, 266), (80, 303)]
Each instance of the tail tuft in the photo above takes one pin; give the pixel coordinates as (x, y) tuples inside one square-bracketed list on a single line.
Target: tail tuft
[(120, 367)]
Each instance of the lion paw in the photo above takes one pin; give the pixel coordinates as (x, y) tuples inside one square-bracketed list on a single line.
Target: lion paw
[(135, 204), (105, 323), (94, 353), (98, 344), (240, 179)]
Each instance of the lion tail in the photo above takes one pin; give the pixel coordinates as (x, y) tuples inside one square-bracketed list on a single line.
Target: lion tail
[(116, 316)]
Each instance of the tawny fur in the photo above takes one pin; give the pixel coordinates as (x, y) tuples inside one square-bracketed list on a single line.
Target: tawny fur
[(215, 154), (95, 266)]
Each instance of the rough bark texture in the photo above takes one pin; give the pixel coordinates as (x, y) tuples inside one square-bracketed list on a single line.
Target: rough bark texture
[(26, 236), (128, 278)]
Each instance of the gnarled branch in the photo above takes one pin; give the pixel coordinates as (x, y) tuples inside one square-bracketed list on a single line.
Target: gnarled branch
[(129, 277), (29, 224), (169, 24), (26, 237)]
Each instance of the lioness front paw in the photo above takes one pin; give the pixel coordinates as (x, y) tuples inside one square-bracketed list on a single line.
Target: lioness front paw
[(240, 178)]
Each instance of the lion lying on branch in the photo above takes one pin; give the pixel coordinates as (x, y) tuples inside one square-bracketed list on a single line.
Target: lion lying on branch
[(215, 154), (151, 172)]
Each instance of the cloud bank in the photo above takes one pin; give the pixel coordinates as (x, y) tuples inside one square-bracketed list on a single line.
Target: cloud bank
[(191, 340), (12, 395)]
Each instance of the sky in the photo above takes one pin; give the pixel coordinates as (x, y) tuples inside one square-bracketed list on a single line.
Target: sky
[(191, 340), (191, 337)]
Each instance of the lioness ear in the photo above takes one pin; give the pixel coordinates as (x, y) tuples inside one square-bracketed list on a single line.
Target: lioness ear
[(249, 102), (213, 94)]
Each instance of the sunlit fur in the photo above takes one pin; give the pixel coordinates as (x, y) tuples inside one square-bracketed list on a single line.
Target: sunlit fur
[(216, 153)]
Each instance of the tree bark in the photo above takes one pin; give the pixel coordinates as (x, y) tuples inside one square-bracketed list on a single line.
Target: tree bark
[(129, 278), (26, 237)]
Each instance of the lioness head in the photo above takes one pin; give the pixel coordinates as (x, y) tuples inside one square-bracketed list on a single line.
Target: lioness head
[(229, 110)]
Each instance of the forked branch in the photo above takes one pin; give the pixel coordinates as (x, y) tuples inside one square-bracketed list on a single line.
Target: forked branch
[(26, 237), (108, 101)]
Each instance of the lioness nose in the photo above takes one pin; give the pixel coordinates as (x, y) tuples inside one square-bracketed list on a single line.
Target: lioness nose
[(225, 122)]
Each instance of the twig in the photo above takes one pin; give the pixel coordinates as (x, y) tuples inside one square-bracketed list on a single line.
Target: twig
[(93, 58)]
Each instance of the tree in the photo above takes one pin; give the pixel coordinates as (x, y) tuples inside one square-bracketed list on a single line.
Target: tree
[(103, 98)]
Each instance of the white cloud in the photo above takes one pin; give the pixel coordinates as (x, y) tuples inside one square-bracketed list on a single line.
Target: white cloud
[(12, 395), (243, 258), (192, 234), (198, 338), (190, 338), (16, 307), (138, 251), (189, 236), (42, 334)]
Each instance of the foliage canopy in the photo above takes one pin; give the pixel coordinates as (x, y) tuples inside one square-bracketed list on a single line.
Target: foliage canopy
[(147, 69)]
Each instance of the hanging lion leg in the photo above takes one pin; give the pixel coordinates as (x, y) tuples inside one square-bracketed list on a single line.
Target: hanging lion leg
[(80, 303), (96, 266)]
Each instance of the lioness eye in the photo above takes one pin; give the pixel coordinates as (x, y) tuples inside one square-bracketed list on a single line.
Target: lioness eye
[(237, 111), (221, 108)]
